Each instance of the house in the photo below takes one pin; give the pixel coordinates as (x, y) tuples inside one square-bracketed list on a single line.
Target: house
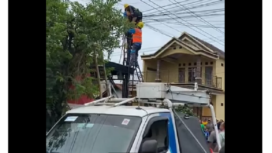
[(185, 60)]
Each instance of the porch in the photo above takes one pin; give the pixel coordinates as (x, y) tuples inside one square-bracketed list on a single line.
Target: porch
[(183, 70)]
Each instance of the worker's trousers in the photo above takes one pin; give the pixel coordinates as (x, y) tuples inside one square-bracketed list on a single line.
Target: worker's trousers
[(134, 54)]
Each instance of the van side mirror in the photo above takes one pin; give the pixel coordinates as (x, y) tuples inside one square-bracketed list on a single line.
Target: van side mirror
[(148, 145)]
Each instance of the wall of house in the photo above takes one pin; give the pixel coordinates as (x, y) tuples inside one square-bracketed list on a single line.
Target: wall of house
[(169, 72), (220, 71), (220, 110), (149, 76), (206, 111)]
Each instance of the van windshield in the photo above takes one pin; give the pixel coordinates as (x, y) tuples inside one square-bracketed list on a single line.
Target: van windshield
[(92, 133)]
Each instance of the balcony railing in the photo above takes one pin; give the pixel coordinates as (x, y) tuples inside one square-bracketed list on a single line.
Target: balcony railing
[(174, 77), (215, 82)]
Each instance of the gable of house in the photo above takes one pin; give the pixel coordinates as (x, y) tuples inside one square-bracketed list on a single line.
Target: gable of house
[(192, 44)]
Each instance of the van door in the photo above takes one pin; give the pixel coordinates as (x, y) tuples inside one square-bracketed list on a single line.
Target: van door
[(172, 137), (161, 128)]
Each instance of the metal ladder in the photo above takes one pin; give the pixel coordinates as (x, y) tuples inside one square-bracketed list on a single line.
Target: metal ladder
[(134, 66), (129, 83), (139, 73), (124, 51)]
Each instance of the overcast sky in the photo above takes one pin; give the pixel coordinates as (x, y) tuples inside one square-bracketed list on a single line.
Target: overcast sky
[(165, 19)]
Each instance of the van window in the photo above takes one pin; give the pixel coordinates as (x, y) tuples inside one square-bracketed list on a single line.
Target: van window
[(93, 133), (159, 132)]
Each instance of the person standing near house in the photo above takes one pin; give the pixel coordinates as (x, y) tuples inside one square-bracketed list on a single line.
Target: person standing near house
[(205, 122), (222, 134), (212, 138), (209, 126), (202, 126), (212, 141), (206, 134), (219, 123)]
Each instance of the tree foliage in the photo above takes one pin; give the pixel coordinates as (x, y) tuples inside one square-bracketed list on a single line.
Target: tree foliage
[(181, 108), (76, 36), (185, 109)]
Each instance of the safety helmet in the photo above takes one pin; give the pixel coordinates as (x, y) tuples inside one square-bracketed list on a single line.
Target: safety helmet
[(140, 25), (126, 5)]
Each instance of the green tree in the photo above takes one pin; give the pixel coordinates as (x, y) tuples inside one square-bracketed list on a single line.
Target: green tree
[(181, 108), (185, 109), (77, 36)]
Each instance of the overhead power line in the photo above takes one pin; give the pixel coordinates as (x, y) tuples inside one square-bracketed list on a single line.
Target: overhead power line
[(157, 30), (182, 17), (214, 38), (155, 48), (191, 2), (198, 12), (177, 9), (197, 16), (176, 25)]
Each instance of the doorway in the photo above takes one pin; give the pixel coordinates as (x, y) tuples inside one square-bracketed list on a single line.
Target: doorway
[(181, 77)]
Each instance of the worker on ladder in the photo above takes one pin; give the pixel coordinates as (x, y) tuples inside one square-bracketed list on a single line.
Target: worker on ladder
[(136, 43), (133, 14)]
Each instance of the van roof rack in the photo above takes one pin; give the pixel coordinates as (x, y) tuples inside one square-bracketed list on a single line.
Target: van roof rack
[(159, 94)]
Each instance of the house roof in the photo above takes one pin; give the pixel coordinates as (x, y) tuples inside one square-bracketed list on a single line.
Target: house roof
[(210, 46), (198, 41), (165, 46)]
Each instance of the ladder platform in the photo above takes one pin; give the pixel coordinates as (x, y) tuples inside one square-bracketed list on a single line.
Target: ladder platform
[(160, 91)]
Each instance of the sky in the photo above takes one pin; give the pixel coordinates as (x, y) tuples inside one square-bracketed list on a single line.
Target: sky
[(204, 19)]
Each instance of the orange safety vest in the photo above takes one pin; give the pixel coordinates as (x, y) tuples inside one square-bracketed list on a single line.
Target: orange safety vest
[(137, 36)]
